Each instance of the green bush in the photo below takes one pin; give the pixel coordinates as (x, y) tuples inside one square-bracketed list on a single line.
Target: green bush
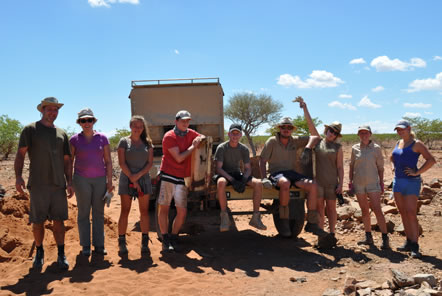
[(9, 134), (115, 139)]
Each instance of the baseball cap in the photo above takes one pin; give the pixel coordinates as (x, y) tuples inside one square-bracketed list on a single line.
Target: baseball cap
[(402, 124), (235, 127), (183, 114), (364, 128)]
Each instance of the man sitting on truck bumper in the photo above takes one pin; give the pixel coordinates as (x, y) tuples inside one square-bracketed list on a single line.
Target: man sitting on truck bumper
[(228, 156), (178, 145), (280, 152)]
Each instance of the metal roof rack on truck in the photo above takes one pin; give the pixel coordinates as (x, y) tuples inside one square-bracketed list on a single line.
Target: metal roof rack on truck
[(178, 81)]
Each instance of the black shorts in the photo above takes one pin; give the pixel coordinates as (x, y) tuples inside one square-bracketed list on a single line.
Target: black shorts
[(290, 175), (236, 175)]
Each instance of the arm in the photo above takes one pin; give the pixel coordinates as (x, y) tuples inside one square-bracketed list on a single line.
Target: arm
[(380, 166), (262, 167), (68, 174), (350, 172), (123, 164), (419, 147), (181, 156), (340, 167), (247, 170), (108, 164), (220, 171), (18, 167), (311, 126), (147, 167)]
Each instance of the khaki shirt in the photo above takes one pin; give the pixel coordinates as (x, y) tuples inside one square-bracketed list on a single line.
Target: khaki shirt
[(367, 162), (280, 157), (326, 168), (47, 147)]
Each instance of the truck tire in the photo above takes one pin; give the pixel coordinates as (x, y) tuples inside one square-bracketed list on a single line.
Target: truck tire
[(296, 214)]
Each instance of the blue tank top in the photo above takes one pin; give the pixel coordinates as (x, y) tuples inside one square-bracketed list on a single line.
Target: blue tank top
[(405, 158)]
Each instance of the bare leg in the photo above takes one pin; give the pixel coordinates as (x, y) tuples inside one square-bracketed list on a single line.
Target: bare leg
[(365, 208), (257, 193), (179, 219), (143, 203), (59, 231), (126, 202), (375, 204), (331, 214), (221, 193), (39, 232), (163, 218), (321, 213)]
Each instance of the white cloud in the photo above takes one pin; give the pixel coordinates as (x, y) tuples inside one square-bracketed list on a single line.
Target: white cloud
[(318, 79), (366, 102), (417, 105), (340, 105), (107, 3), (345, 96), (377, 88), (176, 51), (383, 64), (411, 114), (426, 84), (428, 113), (437, 58), (357, 61)]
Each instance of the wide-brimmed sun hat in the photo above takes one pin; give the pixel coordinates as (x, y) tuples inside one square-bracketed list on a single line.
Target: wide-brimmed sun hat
[(285, 121), (336, 126), (86, 113), (49, 101)]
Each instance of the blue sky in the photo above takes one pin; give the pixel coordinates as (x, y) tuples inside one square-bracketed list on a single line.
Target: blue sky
[(358, 62)]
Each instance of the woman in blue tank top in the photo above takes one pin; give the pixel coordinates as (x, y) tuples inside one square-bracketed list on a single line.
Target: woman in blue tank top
[(407, 182)]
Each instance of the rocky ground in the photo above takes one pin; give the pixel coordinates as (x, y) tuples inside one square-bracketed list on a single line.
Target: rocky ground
[(243, 261)]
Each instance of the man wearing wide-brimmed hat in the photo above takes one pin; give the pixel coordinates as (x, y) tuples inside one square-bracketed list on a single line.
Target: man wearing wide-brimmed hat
[(280, 153), (50, 177)]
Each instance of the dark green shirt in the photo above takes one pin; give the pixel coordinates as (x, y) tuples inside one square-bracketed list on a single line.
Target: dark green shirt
[(231, 157), (47, 147)]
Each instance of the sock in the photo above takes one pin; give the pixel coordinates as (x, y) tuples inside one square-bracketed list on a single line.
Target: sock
[(60, 250), (40, 248), (368, 234), (384, 236)]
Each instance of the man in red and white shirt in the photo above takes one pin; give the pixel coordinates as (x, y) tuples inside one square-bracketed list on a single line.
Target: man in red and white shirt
[(178, 145)]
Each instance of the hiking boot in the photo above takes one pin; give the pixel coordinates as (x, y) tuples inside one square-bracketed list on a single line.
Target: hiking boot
[(414, 248), (327, 241), (39, 258), (86, 251), (122, 248), (225, 222), (284, 228), (367, 241), (62, 262), (405, 247), (315, 229), (173, 238), (256, 222), (145, 244), (385, 243), (100, 251), (167, 247)]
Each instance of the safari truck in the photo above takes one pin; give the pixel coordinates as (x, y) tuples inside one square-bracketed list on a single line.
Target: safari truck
[(158, 101)]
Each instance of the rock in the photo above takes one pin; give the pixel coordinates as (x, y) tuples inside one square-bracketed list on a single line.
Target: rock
[(358, 215), (434, 183), (400, 279), (390, 226), (391, 202), (390, 209), (345, 212), (423, 202), (400, 229), (335, 279), (364, 292), (385, 292), (368, 284), (348, 224), (427, 193), (332, 292), (437, 213), (349, 285), (424, 277)]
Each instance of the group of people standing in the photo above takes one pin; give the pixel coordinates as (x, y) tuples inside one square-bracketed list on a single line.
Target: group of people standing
[(60, 166)]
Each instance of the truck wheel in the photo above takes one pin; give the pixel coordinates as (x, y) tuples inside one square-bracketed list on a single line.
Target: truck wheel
[(296, 214), (172, 214)]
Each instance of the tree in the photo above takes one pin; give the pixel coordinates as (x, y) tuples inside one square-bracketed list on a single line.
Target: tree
[(251, 111), (426, 130), (301, 126), (115, 139), (9, 134)]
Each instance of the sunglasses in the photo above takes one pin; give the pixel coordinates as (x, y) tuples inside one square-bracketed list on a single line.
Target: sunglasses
[(286, 127), (333, 132), (84, 120)]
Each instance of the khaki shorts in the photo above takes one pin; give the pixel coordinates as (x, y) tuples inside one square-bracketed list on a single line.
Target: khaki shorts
[(48, 203), (367, 188), (169, 190), (328, 193)]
